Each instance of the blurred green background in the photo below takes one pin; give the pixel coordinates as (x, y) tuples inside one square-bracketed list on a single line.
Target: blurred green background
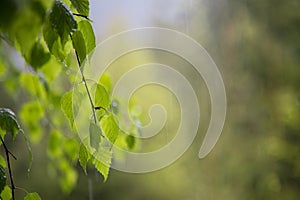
[(256, 45)]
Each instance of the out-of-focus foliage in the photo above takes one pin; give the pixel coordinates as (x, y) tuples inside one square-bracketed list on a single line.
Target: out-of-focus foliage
[(256, 47), (53, 39)]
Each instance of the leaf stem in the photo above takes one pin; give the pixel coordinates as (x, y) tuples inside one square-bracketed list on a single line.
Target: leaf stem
[(84, 16), (7, 152), (85, 84)]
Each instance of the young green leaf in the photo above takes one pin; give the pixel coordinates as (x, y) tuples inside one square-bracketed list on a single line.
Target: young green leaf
[(31, 113), (102, 161), (105, 80), (79, 45), (68, 176), (101, 96), (62, 20), (95, 135), (110, 127), (84, 156), (54, 144), (2, 178), (88, 33), (66, 106), (33, 84), (8, 122), (6, 193), (82, 6), (32, 196), (71, 148)]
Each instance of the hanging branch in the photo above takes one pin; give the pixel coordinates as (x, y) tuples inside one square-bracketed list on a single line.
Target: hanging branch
[(7, 153), (85, 84), (84, 16)]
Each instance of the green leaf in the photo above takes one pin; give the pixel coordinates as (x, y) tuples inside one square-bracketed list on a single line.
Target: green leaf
[(102, 161), (32, 196), (53, 41), (38, 56), (6, 193), (95, 135), (2, 178), (69, 176), (62, 20), (66, 106), (33, 84), (130, 140), (105, 80), (26, 29), (31, 113), (101, 97), (84, 156), (110, 127), (71, 148), (8, 122), (88, 33), (54, 144), (79, 45), (2, 162), (82, 6)]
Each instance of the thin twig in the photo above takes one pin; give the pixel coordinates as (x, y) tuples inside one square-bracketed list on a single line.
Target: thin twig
[(84, 16), (85, 84), (100, 107), (7, 152)]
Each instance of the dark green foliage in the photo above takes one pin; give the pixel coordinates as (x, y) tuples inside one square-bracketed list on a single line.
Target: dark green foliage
[(39, 56), (130, 140), (62, 20), (2, 178), (79, 45), (8, 122), (82, 6)]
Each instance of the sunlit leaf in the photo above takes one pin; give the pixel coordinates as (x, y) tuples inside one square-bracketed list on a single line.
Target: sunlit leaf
[(88, 33), (2, 178), (8, 122), (110, 127), (32, 196), (51, 70), (54, 144), (102, 161), (31, 113), (79, 45), (105, 80), (33, 84), (6, 193), (69, 176), (101, 97), (71, 148), (82, 6)]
